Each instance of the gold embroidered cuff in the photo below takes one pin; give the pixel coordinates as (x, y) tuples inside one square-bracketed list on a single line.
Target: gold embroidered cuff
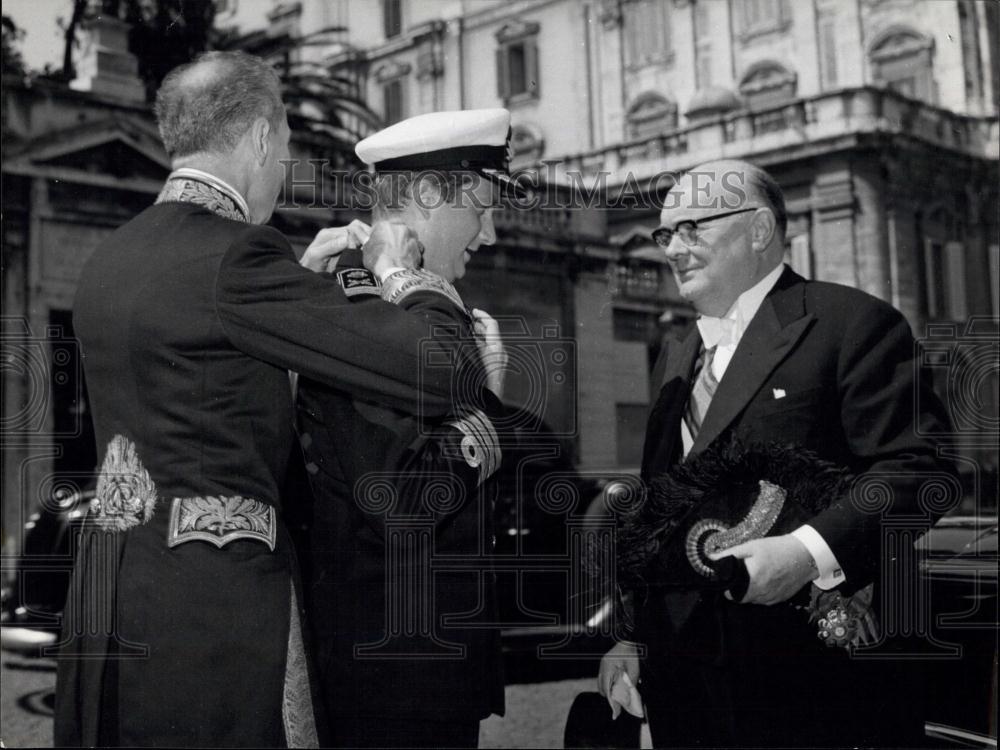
[(480, 444), (401, 284)]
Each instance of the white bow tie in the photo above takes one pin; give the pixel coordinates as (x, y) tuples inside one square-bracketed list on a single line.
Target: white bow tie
[(717, 331)]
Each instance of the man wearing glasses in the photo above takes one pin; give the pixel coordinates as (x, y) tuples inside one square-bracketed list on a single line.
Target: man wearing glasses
[(775, 358)]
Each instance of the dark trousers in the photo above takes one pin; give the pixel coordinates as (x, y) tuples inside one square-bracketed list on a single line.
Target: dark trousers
[(776, 685), (360, 731)]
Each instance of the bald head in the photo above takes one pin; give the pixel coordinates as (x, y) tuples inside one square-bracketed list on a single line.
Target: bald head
[(206, 106)]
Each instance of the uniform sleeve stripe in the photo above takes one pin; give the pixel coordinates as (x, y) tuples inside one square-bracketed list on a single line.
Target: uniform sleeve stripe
[(478, 428)]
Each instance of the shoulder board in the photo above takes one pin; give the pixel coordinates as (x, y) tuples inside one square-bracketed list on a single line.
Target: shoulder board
[(357, 282)]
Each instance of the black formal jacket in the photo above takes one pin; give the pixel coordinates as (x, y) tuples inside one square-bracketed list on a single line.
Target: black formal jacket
[(830, 369), (402, 505), (844, 361), (189, 323)]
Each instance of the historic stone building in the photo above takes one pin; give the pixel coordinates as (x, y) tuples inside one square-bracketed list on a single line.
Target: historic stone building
[(878, 118)]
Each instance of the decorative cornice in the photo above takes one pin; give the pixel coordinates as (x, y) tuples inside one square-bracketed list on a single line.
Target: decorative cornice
[(766, 75), (392, 70), (650, 106), (898, 41), (407, 40), (664, 58), (516, 30)]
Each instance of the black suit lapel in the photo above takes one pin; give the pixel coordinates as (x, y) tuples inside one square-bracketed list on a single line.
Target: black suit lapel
[(771, 335), (663, 427)]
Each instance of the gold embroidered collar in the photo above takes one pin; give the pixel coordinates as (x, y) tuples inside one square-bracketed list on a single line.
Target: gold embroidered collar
[(188, 185)]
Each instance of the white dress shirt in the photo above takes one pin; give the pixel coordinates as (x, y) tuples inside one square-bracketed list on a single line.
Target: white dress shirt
[(724, 334)]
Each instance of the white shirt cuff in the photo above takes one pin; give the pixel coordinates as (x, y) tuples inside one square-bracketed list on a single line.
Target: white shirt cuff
[(389, 272), (830, 572)]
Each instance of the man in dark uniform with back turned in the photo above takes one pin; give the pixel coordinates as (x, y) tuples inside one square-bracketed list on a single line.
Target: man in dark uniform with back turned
[(408, 655), (190, 317)]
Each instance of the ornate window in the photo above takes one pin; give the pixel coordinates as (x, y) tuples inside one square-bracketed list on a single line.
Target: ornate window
[(754, 17), (650, 115), (901, 60), (647, 33), (766, 84), (517, 62)]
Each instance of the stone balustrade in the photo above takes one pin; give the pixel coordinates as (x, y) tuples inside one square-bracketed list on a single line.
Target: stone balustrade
[(799, 122)]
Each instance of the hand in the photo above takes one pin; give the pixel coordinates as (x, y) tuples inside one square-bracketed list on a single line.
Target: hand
[(623, 657), (491, 351), (322, 253), (778, 566), (392, 245)]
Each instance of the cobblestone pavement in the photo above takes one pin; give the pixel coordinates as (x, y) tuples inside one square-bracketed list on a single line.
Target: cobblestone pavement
[(26, 700), (536, 713)]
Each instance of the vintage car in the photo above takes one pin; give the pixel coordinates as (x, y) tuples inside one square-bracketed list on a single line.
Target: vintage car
[(33, 599), (959, 567)]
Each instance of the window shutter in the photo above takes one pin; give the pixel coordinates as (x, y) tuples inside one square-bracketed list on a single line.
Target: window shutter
[(392, 18), (828, 43), (531, 66), (955, 260), (392, 93), (933, 273), (503, 74), (629, 40)]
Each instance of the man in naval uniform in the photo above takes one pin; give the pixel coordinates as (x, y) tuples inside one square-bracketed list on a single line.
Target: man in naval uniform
[(182, 626), (408, 652), (776, 358)]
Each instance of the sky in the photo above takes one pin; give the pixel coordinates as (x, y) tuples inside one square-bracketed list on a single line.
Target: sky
[(43, 40)]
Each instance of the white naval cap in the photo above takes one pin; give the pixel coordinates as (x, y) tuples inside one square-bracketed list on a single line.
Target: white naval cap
[(474, 139)]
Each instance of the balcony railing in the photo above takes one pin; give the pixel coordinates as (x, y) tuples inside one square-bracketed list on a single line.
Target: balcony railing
[(797, 122)]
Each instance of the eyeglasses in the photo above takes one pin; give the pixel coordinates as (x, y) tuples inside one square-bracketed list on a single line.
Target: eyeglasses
[(688, 230)]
